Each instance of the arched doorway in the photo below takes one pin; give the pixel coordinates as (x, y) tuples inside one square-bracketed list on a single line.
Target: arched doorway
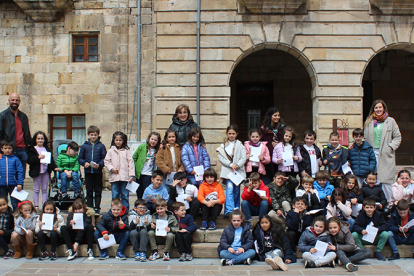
[(390, 76), (269, 78)]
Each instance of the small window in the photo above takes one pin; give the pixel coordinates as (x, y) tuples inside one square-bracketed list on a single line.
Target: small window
[(68, 127), (85, 48)]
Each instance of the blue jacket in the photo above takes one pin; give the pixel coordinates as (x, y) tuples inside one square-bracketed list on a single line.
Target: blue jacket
[(395, 222), (308, 240), (159, 193), (11, 171), (189, 160), (323, 192), (189, 221), (363, 220), (295, 223), (362, 160), (92, 152), (351, 195), (227, 237)]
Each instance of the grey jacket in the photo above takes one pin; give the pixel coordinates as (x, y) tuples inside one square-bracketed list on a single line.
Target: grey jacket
[(239, 158), (344, 240), (308, 240), (138, 226), (27, 224)]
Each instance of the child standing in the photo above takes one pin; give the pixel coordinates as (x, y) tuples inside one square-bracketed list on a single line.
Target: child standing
[(194, 154), (91, 157), (6, 226), (297, 220), (273, 245), (184, 236), (139, 224), (38, 171), (236, 242), (172, 228), (324, 187), (121, 168), (74, 237), (361, 156), (11, 172), (144, 159), (232, 157), (155, 191), (181, 187), (25, 219), (310, 154), (114, 222), (340, 208), (307, 191), (68, 165), (252, 203), (372, 188), (334, 155), (264, 156), (370, 216), (52, 236), (287, 146), (168, 158), (307, 242), (211, 197)]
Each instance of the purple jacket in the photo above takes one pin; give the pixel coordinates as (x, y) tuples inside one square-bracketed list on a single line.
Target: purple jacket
[(277, 154)]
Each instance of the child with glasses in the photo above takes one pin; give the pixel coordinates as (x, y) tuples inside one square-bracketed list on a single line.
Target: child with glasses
[(139, 224)]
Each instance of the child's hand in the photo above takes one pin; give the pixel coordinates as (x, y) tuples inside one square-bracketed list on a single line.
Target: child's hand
[(381, 206), (261, 157), (121, 224), (399, 181), (106, 237), (70, 173), (320, 163), (313, 250), (406, 230), (54, 228), (354, 201), (72, 222), (183, 230), (175, 182), (96, 166), (169, 171), (279, 213), (264, 198), (296, 210), (87, 165), (189, 199), (332, 247), (153, 200), (19, 188), (146, 220), (328, 197), (193, 172), (279, 161), (250, 186), (57, 169), (115, 171), (137, 220), (42, 156), (130, 180), (274, 143), (240, 250), (152, 225), (304, 174), (364, 232), (325, 162), (233, 167), (1, 233), (295, 158), (231, 250), (168, 229), (288, 261), (312, 191)]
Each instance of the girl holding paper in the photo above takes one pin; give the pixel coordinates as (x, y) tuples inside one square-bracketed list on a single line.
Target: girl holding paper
[(256, 162), (40, 167), (232, 156)]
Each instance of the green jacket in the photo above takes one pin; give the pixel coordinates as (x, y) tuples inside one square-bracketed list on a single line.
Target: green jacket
[(172, 221), (66, 162), (140, 156), (282, 193)]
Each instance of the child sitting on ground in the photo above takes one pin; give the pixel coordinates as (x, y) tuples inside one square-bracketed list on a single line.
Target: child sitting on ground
[(184, 236), (254, 204), (139, 221)]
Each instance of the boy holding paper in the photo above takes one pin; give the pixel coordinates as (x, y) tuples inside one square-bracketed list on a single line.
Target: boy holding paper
[(160, 234), (155, 191), (184, 236), (139, 224), (11, 172), (256, 198), (297, 220), (398, 232), (187, 193), (369, 216), (334, 155), (114, 222)]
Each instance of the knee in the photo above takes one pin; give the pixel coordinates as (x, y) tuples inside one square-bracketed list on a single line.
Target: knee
[(133, 233), (390, 234), (63, 176), (54, 235), (245, 204), (29, 232), (264, 204), (355, 235), (15, 235), (89, 227), (143, 232), (384, 234), (151, 234), (96, 234)]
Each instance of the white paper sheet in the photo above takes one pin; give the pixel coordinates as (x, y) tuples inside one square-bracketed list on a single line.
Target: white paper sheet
[(78, 218), (92, 163), (260, 192), (409, 224), (199, 172), (235, 177), (22, 195), (170, 178), (160, 229), (47, 221), (47, 158), (314, 164), (314, 211), (149, 197), (372, 233), (105, 244), (346, 169), (254, 154), (356, 209), (181, 198), (133, 186), (287, 159), (320, 247)]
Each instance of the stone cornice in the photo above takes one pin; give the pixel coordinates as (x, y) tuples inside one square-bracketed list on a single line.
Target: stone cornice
[(394, 6), (45, 10), (271, 6)]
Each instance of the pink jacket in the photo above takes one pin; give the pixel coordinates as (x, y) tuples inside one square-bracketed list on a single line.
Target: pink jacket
[(120, 159), (264, 152), (277, 154), (398, 194)]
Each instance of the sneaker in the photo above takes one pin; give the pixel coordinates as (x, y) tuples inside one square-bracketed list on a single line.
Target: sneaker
[(166, 256), (120, 256), (182, 257), (90, 255), (248, 261), (104, 256), (143, 257), (394, 256), (280, 263), (212, 225), (9, 254), (332, 264), (97, 211), (379, 256), (229, 262), (351, 267), (339, 262), (309, 264), (272, 264), (155, 255), (65, 195), (223, 262), (137, 256), (203, 225), (44, 256), (71, 254), (53, 256), (189, 257)]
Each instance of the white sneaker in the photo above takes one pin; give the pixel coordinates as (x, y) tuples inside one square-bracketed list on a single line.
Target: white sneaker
[(90, 255), (71, 254)]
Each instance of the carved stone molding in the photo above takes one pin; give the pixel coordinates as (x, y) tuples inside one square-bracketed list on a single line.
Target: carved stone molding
[(394, 6), (272, 6), (45, 10)]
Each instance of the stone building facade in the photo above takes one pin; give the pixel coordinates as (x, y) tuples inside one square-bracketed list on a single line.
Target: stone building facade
[(316, 60)]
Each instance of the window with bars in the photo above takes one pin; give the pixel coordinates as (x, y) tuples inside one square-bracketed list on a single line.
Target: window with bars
[(85, 48), (68, 127)]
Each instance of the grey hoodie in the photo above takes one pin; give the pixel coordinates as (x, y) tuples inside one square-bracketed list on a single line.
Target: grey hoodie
[(133, 223), (26, 224)]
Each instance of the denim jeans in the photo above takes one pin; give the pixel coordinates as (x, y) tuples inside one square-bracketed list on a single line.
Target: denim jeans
[(351, 223), (237, 258), (120, 237), (232, 197), (119, 190), (250, 210), (8, 190), (394, 239), (64, 182), (22, 155)]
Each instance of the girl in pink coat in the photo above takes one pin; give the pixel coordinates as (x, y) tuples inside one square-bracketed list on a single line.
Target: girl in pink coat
[(264, 157), (287, 145)]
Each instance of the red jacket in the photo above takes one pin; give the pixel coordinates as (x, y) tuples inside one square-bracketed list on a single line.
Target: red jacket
[(254, 198)]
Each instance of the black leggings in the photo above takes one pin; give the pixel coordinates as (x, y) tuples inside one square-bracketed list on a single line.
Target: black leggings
[(43, 238), (211, 211), (70, 236)]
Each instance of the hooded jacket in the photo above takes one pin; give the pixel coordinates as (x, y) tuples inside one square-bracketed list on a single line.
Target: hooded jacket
[(11, 171), (306, 165), (400, 192), (87, 216), (182, 128), (120, 159), (363, 220), (297, 224), (188, 220), (172, 221), (34, 161), (133, 225), (362, 159), (161, 192), (346, 210), (323, 192), (337, 169), (27, 224), (376, 193), (264, 152), (227, 237), (254, 198), (92, 152), (189, 160), (66, 162), (58, 223), (344, 240), (308, 240), (206, 189), (109, 223)]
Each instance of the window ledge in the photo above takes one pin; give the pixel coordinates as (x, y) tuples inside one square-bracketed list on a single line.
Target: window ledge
[(45, 10), (272, 6), (392, 6)]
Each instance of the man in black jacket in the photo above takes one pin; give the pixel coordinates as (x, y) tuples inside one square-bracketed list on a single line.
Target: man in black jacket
[(14, 126)]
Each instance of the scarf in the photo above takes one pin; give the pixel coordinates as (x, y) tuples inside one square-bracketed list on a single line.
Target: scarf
[(379, 119), (254, 145)]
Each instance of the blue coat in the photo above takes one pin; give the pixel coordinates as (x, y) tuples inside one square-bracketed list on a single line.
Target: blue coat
[(395, 222), (227, 237), (92, 152), (308, 240), (11, 171), (362, 160), (363, 220), (189, 221), (323, 192), (189, 160)]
